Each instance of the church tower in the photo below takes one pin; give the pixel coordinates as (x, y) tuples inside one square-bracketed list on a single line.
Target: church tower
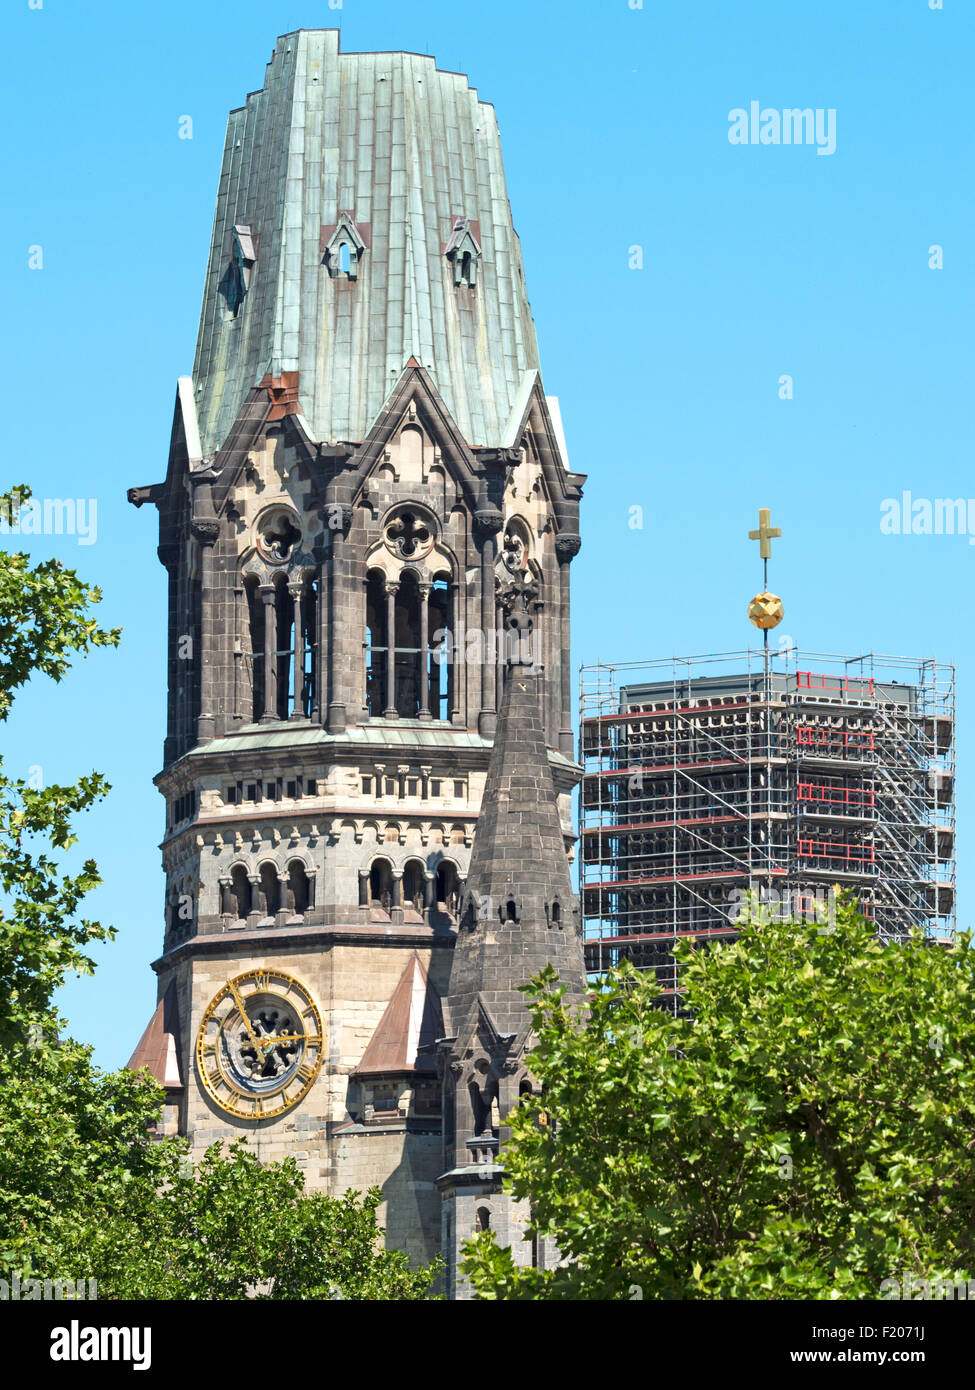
[(518, 913), (361, 460)]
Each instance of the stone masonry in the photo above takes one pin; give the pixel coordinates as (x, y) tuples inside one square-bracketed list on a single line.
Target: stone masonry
[(361, 461)]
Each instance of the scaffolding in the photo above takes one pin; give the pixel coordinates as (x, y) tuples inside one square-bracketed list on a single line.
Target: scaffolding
[(780, 773)]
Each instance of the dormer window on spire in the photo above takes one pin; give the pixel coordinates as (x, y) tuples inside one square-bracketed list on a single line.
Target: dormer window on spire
[(242, 258), (343, 249), (463, 251)]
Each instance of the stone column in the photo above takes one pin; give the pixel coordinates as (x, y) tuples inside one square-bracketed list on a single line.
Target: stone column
[(363, 891), (541, 644), (255, 914), (297, 591), (322, 647), (396, 909), (169, 555), (206, 532), (455, 656), (566, 548), (226, 906), (283, 912), (242, 707), (390, 711), (270, 655), (424, 663), (429, 893), (339, 586), (488, 522), (455, 694)]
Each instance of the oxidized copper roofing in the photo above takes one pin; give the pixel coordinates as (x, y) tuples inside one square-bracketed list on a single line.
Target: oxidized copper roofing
[(402, 150)]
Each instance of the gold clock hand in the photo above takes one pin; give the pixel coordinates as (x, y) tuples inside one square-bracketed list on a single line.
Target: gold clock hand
[(247, 1022)]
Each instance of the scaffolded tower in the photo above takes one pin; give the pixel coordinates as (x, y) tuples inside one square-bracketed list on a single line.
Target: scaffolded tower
[(782, 774)]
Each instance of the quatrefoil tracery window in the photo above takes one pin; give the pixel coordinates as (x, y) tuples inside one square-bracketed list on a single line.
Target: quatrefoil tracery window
[(277, 536), (409, 534)]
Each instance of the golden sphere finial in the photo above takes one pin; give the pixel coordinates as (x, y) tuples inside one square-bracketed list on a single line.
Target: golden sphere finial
[(766, 611)]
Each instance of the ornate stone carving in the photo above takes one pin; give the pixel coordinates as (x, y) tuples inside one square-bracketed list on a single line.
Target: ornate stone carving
[(488, 521), (300, 568), (277, 535), (206, 530), (517, 598), (337, 517), (514, 547), (567, 547), (410, 533)]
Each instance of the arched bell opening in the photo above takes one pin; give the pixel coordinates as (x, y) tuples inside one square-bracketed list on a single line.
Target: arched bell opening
[(270, 890), (439, 660), (299, 888), (409, 646), (414, 886), (282, 623), (381, 886), (240, 892), (376, 647), (446, 895)]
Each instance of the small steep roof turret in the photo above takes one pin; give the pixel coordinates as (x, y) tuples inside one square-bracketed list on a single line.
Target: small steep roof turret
[(158, 1048), (409, 1027)]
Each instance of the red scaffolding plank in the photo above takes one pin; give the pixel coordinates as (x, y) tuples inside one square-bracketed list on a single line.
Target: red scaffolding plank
[(845, 685), (831, 849), (846, 796)]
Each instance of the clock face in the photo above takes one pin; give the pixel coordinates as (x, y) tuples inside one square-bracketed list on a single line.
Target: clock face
[(260, 1043)]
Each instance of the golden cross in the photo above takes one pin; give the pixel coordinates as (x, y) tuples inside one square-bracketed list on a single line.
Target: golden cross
[(765, 533)]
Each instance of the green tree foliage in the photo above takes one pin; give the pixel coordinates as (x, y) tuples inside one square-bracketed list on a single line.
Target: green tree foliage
[(86, 1192), (807, 1131), (44, 622)]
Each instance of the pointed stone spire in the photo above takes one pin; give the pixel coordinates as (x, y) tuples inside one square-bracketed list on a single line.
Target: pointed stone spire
[(518, 912)]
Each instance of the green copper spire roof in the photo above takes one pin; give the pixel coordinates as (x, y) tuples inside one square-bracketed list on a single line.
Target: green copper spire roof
[(402, 162)]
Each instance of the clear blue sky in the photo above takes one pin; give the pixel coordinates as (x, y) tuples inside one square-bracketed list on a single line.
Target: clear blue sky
[(758, 262)]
